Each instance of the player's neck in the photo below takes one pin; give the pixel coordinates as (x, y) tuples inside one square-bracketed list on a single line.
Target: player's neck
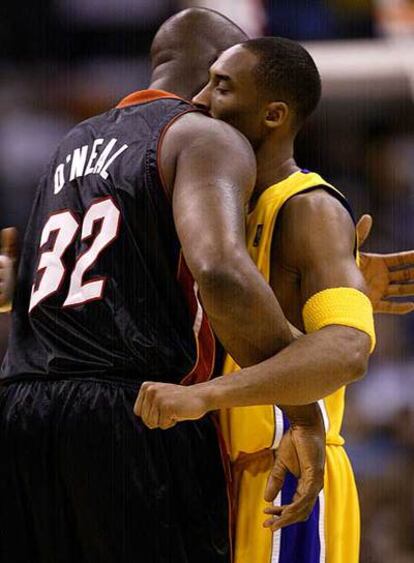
[(275, 162), (170, 80), (169, 85)]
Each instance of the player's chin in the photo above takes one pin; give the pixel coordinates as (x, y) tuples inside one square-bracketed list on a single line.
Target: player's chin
[(219, 113)]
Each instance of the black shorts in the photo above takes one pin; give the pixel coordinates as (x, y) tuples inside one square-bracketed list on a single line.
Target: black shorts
[(82, 480)]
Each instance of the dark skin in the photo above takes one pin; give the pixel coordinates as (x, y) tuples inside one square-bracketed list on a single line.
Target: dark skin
[(312, 250), (234, 295), (243, 311), (209, 170), (221, 290), (289, 378), (192, 207), (310, 254)]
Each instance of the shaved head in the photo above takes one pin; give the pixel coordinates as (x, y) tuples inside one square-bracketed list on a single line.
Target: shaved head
[(186, 45)]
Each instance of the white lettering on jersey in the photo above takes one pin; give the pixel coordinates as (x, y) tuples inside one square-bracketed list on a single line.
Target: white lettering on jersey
[(104, 172), (78, 162), (104, 155), (78, 158), (94, 154), (59, 178)]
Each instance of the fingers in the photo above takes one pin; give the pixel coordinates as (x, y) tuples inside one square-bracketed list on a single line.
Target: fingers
[(6, 268), (297, 511), (363, 228), (148, 408), (400, 290), (144, 405), (275, 481), (8, 242), (7, 280), (8, 257), (151, 415), (394, 308), (140, 398), (274, 510), (167, 423), (406, 275), (399, 259), (144, 401), (307, 492)]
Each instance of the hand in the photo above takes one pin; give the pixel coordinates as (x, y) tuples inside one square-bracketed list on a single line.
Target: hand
[(8, 256), (382, 279), (162, 405), (302, 453)]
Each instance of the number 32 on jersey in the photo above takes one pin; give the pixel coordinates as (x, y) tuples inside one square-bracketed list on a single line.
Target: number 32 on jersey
[(58, 234)]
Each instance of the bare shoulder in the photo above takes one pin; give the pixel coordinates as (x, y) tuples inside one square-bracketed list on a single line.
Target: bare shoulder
[(317, 209), (317, 204), (207, 148), (316, 223), (195, 129)]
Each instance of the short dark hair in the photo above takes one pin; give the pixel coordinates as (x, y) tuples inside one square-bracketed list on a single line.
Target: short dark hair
[(287, 72)]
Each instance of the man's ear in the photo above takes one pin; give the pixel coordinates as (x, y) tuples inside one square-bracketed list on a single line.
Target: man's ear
[(276, 114)]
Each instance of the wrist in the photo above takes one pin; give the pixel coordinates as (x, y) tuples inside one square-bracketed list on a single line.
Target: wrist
[(209, 393), (303, 415)]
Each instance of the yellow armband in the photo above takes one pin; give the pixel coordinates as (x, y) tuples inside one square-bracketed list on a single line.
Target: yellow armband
[(340, 306)]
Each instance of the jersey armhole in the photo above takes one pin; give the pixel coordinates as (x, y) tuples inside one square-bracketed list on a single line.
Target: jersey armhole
[(166, 189), (338, 196)]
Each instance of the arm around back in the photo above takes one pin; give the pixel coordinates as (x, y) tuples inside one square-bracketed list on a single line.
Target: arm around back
[(316, 242), (211, 170)]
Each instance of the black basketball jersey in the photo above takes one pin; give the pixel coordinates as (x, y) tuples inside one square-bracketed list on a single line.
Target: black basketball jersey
[(103, 289)]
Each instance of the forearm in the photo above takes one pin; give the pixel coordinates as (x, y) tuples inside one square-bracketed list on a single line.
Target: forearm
[(311, 368), (245, 315)]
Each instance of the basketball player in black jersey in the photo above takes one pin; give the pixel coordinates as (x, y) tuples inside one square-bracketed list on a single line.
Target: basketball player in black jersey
[(85, 298), (136, 204), (330, 359)]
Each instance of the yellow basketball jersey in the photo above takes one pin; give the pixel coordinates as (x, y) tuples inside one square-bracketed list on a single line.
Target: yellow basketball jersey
[(331, 534), (249, 429)]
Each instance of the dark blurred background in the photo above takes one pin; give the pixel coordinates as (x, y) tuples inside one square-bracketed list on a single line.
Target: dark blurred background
[(64, 60)]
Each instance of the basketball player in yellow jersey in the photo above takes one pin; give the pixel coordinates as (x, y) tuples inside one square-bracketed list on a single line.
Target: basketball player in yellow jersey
[(266, 88), (332, 531), (300, 234)]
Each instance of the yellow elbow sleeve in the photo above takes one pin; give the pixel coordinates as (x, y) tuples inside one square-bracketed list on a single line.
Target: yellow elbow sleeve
[(340, 306)]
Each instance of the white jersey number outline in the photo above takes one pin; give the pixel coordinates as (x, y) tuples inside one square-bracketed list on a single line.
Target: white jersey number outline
[(51, 269)]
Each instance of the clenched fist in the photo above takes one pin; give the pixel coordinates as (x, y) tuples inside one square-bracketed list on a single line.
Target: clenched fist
[(162, 405)]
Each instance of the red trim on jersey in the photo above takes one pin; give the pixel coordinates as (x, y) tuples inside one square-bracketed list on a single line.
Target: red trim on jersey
[(231, 504), (167, 191), (203, 335), (144, 96)]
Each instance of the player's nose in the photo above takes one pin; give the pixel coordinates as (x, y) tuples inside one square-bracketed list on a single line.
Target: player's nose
[(202, 100)]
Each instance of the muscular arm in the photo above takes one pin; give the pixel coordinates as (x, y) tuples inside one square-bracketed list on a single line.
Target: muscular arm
[(317, 243), (210, 169)]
